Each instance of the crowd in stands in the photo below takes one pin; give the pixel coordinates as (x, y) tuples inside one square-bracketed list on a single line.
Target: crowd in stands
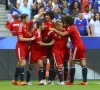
[(85, 12)]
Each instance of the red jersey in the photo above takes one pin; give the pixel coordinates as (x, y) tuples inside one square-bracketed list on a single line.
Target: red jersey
[(14, 25), (34, 44), (74, 36), (60, 42), (47, 26), (24, 32)]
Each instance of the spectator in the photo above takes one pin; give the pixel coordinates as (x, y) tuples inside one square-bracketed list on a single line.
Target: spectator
[(37, 5), (41, 9), (71, 1), (14, 25), (74, 9), (25, 9), (97, 5), (82, 25), (87, 2), (56, 3), (65, 7), (49, 6), (92, 11), (57, 16), (87, 13), (20, 3), (95, 25)]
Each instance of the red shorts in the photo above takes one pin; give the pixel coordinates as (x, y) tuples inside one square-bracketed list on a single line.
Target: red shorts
[(34, 57), (47, 51), (59, 59), (78, 53), (22, 53), (43, 50), (67, 54)]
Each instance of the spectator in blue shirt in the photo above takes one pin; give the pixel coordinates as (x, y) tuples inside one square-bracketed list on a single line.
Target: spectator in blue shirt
[(82, 25), (65, 7), (97, 6), (25, 9), (49, 6), (57, 15)]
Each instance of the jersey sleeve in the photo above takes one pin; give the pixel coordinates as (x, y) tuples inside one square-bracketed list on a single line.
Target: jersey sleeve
[(30, 23), (49, 34), (69, 30)]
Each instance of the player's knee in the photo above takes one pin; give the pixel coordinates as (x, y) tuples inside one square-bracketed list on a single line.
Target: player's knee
[(40, 64), (23, 63), (31, 66)]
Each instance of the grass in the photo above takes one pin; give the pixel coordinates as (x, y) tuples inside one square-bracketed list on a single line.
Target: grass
[(92, 85)]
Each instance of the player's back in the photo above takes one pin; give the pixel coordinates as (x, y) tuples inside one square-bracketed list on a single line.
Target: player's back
[(75, 36), (59, 45), (34, 46)]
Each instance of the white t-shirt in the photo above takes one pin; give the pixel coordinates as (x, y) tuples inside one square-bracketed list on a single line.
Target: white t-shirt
[(87, 15), (30, 2), (96, 27)]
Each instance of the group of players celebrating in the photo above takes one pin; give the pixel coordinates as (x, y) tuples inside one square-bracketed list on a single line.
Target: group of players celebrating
[(39, 40)]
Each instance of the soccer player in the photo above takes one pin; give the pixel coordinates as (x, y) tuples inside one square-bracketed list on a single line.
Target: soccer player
[(35, 53), (22, 47), (58, 50), (78, 51), (15, 24), (46, 51)]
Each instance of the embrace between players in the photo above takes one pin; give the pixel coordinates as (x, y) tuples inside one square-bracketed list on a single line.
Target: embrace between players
[(39, 40)]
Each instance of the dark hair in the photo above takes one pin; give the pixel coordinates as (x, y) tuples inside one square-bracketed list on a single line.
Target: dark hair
[(72, 5), (49, 0), (38, 23), (69, 20), (16, 16), (41, 7), (51, 14), (31, 27), (94, 18), (87, 6), (92, 7), (23, 16)]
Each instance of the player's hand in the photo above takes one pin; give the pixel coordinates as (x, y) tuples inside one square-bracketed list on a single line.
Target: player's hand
[(67, 45), (52, 42), (33, 38), (52, 29)]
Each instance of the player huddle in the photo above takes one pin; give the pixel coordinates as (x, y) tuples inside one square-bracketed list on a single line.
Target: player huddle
[(39, 40)]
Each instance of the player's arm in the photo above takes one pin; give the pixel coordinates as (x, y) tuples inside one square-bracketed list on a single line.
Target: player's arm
[(59, 32), (21, 38), (46, 44), (38, 17)]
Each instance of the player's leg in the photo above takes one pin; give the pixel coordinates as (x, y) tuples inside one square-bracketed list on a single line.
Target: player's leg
[(82, 56), (65, 70), (67, 56), (30, 67), (14, 81), (28, 73), (22, 65), (44, 64), (52, 72), (40, 73), (84, 71)]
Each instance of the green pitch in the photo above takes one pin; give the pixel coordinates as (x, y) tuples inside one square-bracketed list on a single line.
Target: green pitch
[(92, 85)]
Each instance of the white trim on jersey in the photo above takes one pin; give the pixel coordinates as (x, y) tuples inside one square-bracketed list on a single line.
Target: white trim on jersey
[(74, 53), (54, 59), (19, 54)]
